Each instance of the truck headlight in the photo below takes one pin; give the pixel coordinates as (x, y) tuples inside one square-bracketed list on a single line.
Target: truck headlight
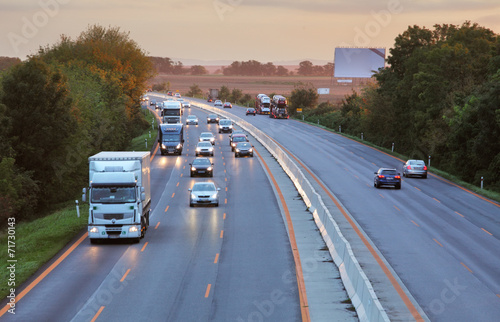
[(133, 229), (163, 146), (94, 230)]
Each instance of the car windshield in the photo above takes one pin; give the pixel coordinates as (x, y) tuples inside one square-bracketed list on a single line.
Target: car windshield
[(239, 139), (417, 162), (201, 162), (206, 135), (113, 194), (191, 117), (205, 144), (225, 122), (243, 145), (204, 187), (389, 172)]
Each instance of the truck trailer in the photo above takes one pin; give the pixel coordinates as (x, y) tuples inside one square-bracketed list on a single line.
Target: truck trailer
[(119, 195), (279, 107), (171, 138), (262, 104), (213, 94)]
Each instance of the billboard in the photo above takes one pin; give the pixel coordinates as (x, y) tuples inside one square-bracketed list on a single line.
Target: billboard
[(358, 62)]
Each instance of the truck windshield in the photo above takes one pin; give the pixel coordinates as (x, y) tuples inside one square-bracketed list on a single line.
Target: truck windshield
[(170, 137), (113, 194), (172, 112)]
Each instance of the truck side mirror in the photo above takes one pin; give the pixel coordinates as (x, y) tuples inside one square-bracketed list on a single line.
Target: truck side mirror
[(84, 195)]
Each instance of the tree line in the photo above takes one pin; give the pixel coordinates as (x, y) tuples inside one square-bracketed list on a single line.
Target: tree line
[(438, 97), (61, 105), (166, 65)]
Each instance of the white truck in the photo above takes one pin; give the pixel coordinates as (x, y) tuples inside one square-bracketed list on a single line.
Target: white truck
[(171, 112), (119, 195)]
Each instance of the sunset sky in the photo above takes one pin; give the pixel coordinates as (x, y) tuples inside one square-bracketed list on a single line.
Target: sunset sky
[(264, 30)]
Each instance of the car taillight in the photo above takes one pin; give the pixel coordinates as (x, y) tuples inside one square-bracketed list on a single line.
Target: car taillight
[(425, 167), (397, 177), (381, 176), (408, 167)]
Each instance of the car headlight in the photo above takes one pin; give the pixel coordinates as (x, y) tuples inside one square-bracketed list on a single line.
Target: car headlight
[(179, 146), (212, 139), (198, 149), (214, 196), (209, 169), (94, 230), (193, 169), (237, 150), (193, 196), (250, 150)]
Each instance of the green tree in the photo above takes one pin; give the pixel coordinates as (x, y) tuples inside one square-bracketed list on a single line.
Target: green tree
[(303, 96), (224, 93), (42, 125), (236, 95), (195, 91)]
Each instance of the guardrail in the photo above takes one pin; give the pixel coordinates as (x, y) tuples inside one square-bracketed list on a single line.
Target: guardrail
[(357, 285)]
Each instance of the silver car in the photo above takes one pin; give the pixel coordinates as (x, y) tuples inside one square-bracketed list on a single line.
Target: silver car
[(192, 119), (415, 168), (207, 137), (204, 193), (204, 148)]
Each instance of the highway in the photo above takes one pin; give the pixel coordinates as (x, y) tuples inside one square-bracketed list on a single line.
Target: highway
[(441, 240), (231, 262), (228, 263)]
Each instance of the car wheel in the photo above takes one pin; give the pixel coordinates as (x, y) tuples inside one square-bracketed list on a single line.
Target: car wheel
[(236, 155), (212, 154), (425, 176), (376, 185), (191, 174), (251, 155), (211, 174), (191, 205), (217, 205), (398, 186)]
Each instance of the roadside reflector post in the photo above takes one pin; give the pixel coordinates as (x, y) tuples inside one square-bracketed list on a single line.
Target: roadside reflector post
[(340, 128), (153, 124), (77, 209), (429, 162), (392, 146), (146, 140), (482, 180), (150, 134), (318, 121), (361, 136)]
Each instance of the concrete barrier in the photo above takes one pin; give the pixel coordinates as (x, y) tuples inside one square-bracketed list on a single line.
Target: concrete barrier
[(356, 283)]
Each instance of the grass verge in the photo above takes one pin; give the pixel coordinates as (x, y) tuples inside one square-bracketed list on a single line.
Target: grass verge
[(37, 241)]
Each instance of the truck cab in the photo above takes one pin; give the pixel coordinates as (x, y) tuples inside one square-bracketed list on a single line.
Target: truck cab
[(171, 138)]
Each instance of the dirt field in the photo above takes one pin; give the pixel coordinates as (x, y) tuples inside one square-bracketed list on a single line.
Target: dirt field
[(267, 85)]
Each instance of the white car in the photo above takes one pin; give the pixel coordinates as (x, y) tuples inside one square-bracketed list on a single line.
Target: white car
[(204, 193), (218, 103), (186, 104), (178, 95), (204, 148), (192, 119), (207, 137)]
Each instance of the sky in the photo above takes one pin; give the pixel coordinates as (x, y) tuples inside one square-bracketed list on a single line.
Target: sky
[(196, 31)]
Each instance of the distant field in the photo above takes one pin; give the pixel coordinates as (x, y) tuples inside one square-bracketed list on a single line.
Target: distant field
[(254, 85)]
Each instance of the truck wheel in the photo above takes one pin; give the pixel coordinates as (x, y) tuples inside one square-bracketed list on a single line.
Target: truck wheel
[(93, 241), (191, 205)]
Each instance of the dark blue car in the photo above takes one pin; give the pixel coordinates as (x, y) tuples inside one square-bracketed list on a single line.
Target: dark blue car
[(387, 177)]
